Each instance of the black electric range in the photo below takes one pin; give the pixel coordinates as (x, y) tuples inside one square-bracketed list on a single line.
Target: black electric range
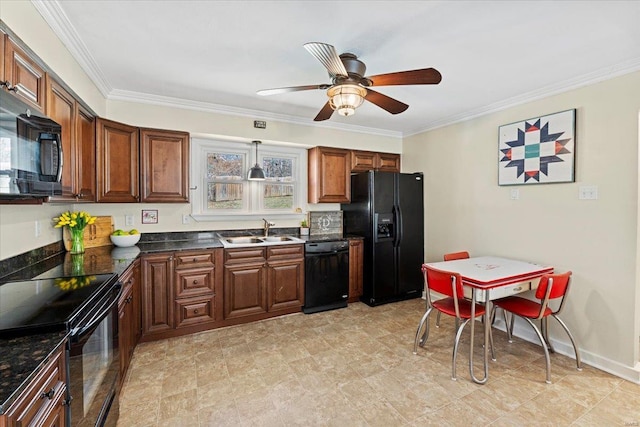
[(50, 304)]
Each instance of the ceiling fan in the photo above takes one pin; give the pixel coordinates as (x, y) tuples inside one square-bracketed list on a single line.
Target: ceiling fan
[(349, 87)]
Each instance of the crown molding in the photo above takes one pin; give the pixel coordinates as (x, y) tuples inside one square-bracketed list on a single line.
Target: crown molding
[(145, 98), (598, 76), (66, 32)]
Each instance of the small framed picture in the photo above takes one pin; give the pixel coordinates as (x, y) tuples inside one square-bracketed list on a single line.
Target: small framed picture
[(149, 216)]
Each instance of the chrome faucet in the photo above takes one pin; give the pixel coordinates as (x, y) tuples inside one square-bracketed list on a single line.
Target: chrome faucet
[(267, 225)]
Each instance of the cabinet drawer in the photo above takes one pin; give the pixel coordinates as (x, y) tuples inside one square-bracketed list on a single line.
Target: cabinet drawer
[(190, 311), (503, 291), (194, 282), (285, 251), (244, 255), (188, 259), (43, 392)]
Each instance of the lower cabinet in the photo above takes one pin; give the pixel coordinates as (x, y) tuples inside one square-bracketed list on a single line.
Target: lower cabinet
[(263, 282), (356, 266), (43, 402), (129, 330), (179, 292)]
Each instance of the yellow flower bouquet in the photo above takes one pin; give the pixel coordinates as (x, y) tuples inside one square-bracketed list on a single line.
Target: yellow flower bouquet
[(76, 221)]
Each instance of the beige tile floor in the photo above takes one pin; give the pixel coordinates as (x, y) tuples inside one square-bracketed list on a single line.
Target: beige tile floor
[(355, 367)]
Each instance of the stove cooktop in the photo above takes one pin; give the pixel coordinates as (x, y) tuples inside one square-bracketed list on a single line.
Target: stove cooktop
[(35, 306)]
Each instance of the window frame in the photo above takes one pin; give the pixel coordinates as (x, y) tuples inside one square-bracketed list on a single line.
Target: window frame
[(253, 201)]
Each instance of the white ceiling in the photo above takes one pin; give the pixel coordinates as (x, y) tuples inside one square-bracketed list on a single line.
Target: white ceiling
[(216, 54)]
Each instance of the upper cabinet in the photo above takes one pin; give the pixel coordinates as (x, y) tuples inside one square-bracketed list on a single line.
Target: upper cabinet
[(363, 161), (117, 162), (164, 166), (22, 75), (330, 171), (78, 143), (147, 165), (329, 175)]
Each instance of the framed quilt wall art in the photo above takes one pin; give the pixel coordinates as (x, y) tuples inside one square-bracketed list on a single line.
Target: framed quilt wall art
[(540, 150)]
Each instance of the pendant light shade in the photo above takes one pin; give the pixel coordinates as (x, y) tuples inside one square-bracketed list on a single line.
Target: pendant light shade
[(256, 173)]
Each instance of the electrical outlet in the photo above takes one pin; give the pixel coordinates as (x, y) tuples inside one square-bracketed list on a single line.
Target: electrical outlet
[(185, 219), (38, 231), (588, 192), (128, 220)]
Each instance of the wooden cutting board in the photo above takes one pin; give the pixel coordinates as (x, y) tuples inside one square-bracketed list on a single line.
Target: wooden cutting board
[(96, 234)]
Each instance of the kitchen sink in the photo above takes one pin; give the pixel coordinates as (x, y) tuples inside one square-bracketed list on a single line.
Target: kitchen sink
[(276, 239), (244, 241)]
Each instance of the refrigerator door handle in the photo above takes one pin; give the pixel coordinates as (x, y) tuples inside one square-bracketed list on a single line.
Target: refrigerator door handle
[(397, 220)]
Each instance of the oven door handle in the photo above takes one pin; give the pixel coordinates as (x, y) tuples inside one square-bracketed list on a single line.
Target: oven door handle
[(95, 320)]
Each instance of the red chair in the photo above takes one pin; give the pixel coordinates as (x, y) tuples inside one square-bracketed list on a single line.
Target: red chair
[(456, 255), (551, 287), (449, 284), (450, 257)]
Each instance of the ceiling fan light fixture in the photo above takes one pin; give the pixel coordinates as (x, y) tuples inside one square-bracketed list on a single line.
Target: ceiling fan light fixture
[(256, 173), (345, 98)]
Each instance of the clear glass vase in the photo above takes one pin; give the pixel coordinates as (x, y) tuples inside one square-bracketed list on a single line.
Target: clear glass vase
[(77, 241)]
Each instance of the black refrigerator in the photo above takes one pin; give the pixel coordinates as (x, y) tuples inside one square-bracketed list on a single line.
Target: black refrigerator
[(387, 209)]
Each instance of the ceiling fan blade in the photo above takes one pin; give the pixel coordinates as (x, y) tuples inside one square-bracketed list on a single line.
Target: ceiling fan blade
[(424, 76), (325, 113), (385, 102), (276, 91), (327, 55)]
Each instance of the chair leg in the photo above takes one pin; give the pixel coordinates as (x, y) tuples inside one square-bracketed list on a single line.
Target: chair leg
[(545, 333), (573, 342), (508, 326), (438, 320), (455, 348), (544, 347), (424, 321)]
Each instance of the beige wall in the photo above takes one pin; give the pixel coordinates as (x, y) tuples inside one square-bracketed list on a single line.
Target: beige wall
[(596, 239)]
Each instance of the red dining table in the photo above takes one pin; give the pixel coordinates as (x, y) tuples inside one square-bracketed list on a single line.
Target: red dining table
[(490, 278)]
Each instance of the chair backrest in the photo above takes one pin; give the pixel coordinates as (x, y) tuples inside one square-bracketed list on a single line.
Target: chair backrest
[(456, 255), (553, 286), (441, 281)]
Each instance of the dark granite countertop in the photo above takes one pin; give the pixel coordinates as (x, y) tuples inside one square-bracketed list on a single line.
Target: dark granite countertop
[(20, 361)]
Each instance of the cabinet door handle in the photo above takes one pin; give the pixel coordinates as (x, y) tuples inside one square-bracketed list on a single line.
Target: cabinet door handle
[(195, 282), (49, 394), (195, 311), (195, 260)]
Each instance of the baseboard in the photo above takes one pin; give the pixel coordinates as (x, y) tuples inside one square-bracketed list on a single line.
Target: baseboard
[(523, 331)]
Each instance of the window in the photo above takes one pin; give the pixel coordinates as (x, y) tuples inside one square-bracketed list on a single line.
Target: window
[(219, 174)]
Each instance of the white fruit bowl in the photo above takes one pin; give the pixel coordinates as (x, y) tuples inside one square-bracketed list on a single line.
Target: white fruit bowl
[(126, 240)]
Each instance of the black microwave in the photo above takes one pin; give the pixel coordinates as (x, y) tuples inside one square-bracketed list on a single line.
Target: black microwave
[(30, 151)]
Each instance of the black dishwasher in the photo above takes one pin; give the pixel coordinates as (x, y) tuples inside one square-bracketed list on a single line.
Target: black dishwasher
[(326, 275)]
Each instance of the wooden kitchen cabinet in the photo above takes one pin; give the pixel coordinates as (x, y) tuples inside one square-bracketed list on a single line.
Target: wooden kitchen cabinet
[(164, 166), (195, 287), (329, 178), (148, 165), (157, 293), (43, 401), (179, 292), (117, 151), (129, 321), (78, 143), (263, 282), (363, 161), (356, 266), (23, 76), (244, 285)]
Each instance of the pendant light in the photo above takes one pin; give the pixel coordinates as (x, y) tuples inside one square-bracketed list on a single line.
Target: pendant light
[(256, 173)]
